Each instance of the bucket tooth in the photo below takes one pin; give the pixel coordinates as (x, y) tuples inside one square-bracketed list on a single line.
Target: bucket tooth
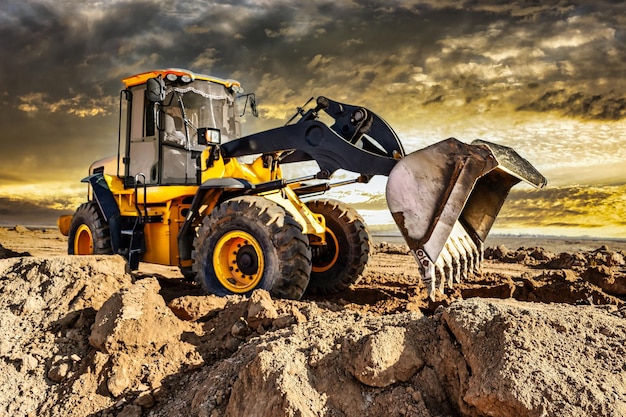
[(456, 262), (447, 271), (463, 259)]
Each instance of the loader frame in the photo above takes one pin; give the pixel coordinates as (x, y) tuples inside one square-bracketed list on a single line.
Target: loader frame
[(155, 222)]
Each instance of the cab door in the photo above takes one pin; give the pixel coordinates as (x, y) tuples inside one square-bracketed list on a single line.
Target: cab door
[(142, 149)]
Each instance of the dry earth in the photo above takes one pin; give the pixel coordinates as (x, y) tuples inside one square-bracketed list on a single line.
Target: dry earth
[(540, 332)]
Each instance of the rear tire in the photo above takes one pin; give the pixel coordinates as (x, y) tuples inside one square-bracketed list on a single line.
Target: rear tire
[(248, 243), (339, 263), (89, 233)]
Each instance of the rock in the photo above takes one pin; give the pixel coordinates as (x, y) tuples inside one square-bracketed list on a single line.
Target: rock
[(602, 276), (261, 310), (145, 400), (134, 318), (500, 252), (476, 357), (283, 321), (520, 257), (64, 294), (240, 329), (386, 358), (133, 324), (357, 354), (59, 372), (524, 359), (391, 248), (297, 314), (613, 259), (196, 307), (21, 229), (541, 254), (567, 261), (29, 363), (119, 379)]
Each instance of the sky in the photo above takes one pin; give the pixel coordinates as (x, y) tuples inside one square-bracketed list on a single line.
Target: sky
[(544, 77)]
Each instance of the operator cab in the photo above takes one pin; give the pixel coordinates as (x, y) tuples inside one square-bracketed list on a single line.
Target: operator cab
[(167, 118)]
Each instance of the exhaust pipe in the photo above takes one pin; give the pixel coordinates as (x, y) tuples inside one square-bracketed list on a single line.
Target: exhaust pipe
[(446, 197)]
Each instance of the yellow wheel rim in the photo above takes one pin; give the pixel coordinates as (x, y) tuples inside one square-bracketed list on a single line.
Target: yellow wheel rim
[(238, 261), (323, 265), (83, 241)]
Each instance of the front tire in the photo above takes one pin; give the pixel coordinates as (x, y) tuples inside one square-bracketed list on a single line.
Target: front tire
[(89, 233), (248, 243), (339, 263), (189, 274)]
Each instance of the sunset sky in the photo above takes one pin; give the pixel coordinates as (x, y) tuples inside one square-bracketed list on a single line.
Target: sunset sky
[(547, 78)]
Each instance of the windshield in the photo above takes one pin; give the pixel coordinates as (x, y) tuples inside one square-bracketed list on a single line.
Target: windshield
[(199, 104)]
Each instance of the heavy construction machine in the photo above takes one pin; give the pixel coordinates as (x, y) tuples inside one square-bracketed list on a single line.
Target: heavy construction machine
[(186, 189)]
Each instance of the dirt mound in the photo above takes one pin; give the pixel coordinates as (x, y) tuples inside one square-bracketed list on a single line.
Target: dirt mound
[(541, 257), (474, 358), (46, 310), (80, 336)]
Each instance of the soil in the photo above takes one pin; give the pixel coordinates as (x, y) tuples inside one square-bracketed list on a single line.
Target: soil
[(540, 332)]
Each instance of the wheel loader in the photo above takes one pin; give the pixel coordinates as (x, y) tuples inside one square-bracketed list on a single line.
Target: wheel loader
[(186, 189)]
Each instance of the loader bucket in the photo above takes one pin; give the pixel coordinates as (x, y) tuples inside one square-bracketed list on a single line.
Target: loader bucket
[(445, 198)]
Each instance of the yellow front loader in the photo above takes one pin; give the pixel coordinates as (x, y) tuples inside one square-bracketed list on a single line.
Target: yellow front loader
[(185, 189)]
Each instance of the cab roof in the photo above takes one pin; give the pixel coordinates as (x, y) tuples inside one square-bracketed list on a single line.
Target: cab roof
[(144, 76)]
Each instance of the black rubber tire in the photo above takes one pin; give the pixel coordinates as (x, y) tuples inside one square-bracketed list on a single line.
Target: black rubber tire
[(284, 249), (342, 261), (189, 274), (88, 224)]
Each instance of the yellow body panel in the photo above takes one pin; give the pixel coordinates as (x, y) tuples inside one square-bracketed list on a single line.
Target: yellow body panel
[(145, 76), (63, 223), (256, 172), (171, 203), (158, 247), (312, 224)]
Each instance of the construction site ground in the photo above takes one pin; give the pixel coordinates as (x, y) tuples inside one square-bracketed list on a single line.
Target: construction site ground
[(540, 332)]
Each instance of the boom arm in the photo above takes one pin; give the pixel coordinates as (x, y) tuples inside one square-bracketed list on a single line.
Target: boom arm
[(358, 141)]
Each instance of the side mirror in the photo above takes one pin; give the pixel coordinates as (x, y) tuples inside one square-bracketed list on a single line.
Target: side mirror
[(155, 89), (255, 111), (250, 98), (209, 136)]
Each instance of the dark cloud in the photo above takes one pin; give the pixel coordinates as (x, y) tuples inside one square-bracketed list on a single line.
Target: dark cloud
[(598, 106), (13, 212)]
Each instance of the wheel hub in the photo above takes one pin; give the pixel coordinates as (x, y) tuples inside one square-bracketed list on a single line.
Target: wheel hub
[(238, 261), (247, 260), (325, 257), (83, 241)]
